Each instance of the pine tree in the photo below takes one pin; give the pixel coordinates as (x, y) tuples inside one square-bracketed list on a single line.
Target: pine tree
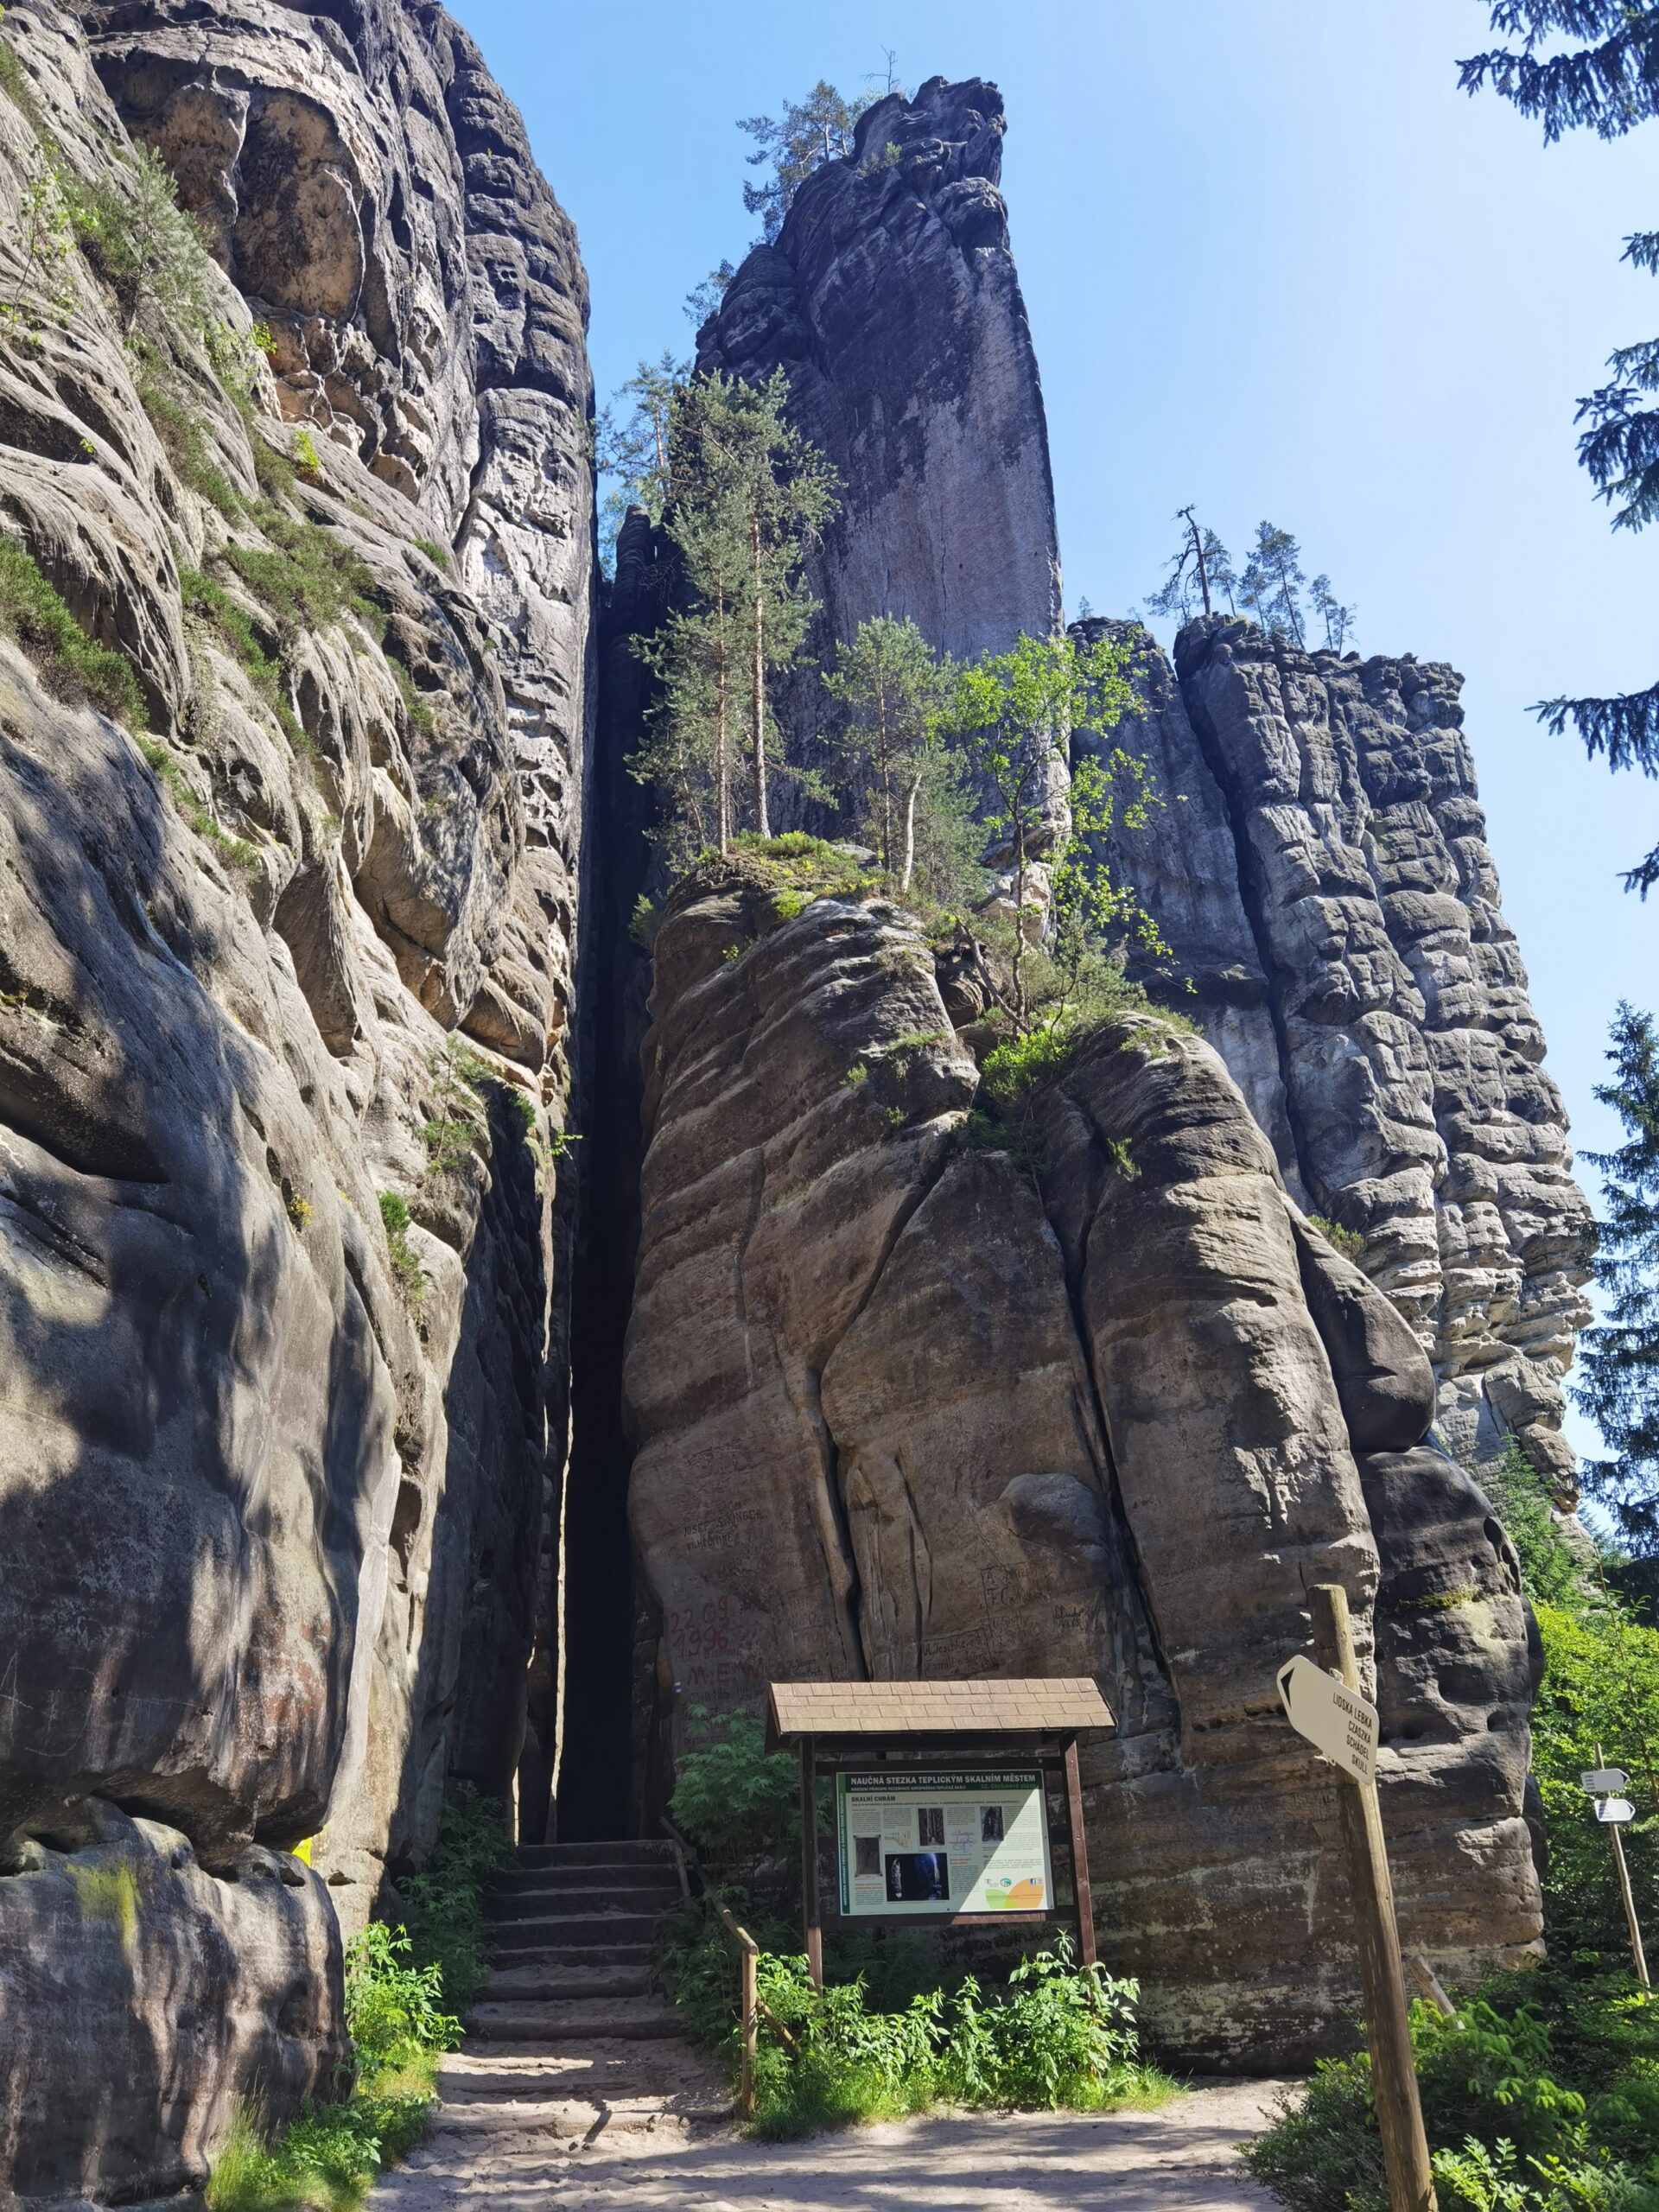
[(817, 130), (634, 453), (747, 495), (1618, 1387), (1272, 585), (1608, 85), (1200, 575), (1338, 620), (892, 691)]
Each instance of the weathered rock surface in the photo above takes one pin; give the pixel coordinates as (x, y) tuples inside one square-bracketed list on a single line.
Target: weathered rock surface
[(1408, 1053), (890, 299), (142, 1999), (939, 1418), (274, 1482)]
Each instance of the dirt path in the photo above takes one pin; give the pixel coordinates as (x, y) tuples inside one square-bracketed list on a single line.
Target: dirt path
[(1181, 2159)]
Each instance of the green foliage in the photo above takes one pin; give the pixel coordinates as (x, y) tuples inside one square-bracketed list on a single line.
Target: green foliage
[(1271, 587), (201, 596), (45, 290), (460, 1129), (632, 454), (892, 691), (812, 132), (396, 1994), (187, 448), (444, 1903), (1609, 85), (1348, 1241), (733, 1798), (1618, 1356), (148, 250), (306, 578), (407, 1271), (393, 2008), (1200, 575), (745, 493), (305, 453), (1057, 2036), (1552, 1571), (237, 356), (18, 90), (420, 714), (1012, 714), (205, 824), (1496, 2112), (71, 666), (437, 555)]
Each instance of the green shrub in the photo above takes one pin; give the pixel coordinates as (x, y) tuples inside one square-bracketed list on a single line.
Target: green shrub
[(444, 1904), (1348, 1241), (735, 1799), (1057, 2036), (416, 708), (393, 2008), (147, 248), (306, 578), (201, 596), (187, 448), (395, 1219), (436, 554), (71, 665)]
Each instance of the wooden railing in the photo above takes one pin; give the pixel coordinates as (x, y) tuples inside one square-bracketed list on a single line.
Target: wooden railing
[(752, 2006)]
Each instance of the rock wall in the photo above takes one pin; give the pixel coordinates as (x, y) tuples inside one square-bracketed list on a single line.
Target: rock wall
[(292, 944), (1325, 881), (902, 1409)]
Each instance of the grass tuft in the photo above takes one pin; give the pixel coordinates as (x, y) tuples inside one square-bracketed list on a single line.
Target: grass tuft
[(71, 665)]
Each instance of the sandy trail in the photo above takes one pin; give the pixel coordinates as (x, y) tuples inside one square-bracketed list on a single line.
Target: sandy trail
[(1181, 2159)]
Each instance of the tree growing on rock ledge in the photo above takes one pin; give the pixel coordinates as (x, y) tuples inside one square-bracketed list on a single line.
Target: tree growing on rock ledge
[(745, 495), (1012, 714)]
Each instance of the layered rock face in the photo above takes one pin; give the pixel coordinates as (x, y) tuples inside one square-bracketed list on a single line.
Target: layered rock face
[(1324, 879), (275, 1470), (902, 1409), (891, 300)]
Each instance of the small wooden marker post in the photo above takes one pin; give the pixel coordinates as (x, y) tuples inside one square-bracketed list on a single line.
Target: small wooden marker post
[(1637, 1953), (811, 1908), (1388, 2029)]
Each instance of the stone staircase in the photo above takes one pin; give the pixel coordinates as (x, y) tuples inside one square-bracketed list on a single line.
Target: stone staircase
[(571, 2046)]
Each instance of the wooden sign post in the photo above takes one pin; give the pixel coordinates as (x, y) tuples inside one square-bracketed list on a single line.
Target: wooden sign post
[(1388, 2029)]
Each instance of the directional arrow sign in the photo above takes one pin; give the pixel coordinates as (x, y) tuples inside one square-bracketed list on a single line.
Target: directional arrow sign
[(1333, 1719), (1602, 1780), (1615, 1810)]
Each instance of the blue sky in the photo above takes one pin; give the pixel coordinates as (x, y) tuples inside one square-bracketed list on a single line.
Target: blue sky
[(1276, 264)]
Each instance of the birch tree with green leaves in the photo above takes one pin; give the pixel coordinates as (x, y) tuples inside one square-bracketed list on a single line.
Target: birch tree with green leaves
[(1011, 715)]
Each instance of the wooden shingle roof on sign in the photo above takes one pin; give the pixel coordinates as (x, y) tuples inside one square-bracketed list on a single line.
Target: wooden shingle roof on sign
[(1020, 1707)]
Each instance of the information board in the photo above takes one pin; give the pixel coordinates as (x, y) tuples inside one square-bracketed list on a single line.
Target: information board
[(912, 1843)]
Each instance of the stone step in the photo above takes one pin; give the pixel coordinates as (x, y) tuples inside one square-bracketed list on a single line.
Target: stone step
[(576, 1905), (513, 1881), (629, 1852), (576, 1955), (573, 2019), (536, 1979), (585, 1928)]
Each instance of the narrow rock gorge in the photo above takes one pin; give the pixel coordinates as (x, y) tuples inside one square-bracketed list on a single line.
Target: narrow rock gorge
[(350, 1404)]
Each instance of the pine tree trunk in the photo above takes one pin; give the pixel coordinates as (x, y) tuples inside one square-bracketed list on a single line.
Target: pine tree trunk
[(761, 821), (910, 834)]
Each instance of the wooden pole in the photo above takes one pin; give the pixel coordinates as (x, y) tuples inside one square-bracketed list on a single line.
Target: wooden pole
[(1388, 2029), (1624, 1891), (1079, 1857), (749, 1995), (810, 1864)]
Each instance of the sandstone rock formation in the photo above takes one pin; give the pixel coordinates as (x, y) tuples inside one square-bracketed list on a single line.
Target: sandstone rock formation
[(1326, 870), (890, 299), (939, 1417), (148, 1999), (274, 1470)]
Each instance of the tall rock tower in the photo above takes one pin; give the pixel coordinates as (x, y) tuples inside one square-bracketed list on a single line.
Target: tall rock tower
[(890, 299)]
